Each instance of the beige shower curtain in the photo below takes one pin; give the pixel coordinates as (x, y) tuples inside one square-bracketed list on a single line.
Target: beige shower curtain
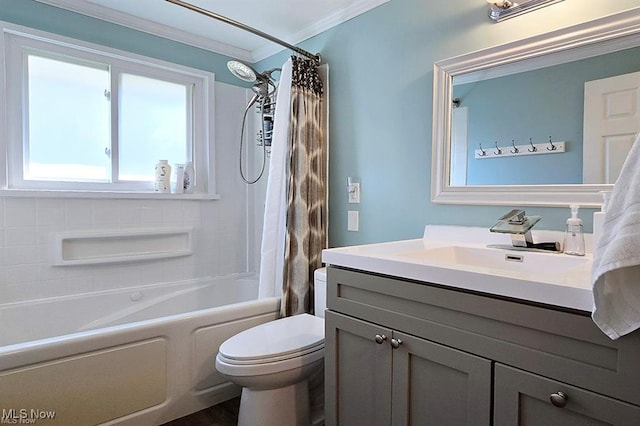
[(306, 189)]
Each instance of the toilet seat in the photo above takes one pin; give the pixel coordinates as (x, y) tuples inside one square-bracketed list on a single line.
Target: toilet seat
[(254, 370), (275, 341), (267, 360)]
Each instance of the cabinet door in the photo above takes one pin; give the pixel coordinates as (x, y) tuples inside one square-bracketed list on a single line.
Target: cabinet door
[(357, 372), (523, 398), (437, 385)]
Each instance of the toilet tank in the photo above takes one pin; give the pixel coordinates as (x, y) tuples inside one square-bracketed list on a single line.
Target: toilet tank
[(320, 291)]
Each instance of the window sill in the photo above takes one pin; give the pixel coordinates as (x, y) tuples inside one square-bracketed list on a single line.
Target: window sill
[(46, 193)]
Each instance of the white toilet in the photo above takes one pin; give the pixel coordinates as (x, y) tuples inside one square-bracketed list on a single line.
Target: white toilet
[(273, 362)]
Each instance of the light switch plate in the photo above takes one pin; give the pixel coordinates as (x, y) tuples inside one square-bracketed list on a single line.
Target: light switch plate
[(354, 193)]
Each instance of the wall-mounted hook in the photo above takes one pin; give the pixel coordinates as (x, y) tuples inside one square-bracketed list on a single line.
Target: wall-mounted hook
[(533, 147), (515, 149), (498, 150), (482, 151), (552, 147), (455, 102)]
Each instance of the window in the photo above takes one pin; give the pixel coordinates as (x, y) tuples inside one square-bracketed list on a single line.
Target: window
[(83, 118), (67, 121)]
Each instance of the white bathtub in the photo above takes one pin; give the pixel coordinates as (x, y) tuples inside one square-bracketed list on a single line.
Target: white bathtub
[(140, 356)]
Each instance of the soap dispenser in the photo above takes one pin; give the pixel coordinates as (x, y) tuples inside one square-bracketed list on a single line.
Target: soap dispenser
[(574, 235)]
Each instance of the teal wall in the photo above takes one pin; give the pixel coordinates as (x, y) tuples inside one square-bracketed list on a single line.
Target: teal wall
[(58, 21), (381, 94)]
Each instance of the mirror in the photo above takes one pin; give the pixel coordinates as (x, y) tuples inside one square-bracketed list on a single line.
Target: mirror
[(495, 109)]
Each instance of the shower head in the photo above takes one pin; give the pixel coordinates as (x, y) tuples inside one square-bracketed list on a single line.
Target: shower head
[(243, 71), (246, 73)]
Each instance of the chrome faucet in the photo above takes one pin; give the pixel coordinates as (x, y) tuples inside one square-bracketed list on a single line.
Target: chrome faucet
[(519, 225)]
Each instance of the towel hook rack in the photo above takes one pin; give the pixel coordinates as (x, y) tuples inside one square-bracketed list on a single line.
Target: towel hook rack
[(513, 150)]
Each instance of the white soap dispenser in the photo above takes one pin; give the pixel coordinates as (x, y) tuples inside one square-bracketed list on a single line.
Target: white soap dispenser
[(574, 235)]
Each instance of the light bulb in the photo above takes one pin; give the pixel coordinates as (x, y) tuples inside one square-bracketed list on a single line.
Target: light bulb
[(499, 3)]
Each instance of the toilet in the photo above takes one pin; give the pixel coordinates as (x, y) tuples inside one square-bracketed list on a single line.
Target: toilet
[(273, 363)]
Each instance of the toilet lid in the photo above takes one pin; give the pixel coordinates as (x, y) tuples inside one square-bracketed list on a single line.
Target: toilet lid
[(280, 339)]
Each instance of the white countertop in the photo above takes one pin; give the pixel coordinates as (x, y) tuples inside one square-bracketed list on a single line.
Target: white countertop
[(570, 288)]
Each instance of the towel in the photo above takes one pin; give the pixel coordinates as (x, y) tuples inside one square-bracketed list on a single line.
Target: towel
[(616, 260)]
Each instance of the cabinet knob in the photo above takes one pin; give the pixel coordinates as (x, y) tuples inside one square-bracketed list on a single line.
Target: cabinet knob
[(395, 343), (380, 338), (559, 399)]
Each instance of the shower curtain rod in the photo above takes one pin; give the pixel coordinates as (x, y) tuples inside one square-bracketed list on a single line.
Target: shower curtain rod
[(242, 26)]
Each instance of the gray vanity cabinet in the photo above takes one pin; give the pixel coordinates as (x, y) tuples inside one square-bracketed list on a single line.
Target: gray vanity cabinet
[(400, 352), (383, 377)]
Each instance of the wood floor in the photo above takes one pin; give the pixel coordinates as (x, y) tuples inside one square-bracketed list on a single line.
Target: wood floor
[(225, 414)]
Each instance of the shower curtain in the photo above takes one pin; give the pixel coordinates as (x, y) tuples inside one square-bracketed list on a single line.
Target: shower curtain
[(275, 207), (294, 232)]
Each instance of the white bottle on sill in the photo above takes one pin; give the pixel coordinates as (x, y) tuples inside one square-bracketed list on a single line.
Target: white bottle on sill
[(180, 179), (163, 177), (188, 178)]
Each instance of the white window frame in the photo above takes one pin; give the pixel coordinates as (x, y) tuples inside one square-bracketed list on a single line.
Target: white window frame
[(16, 41)]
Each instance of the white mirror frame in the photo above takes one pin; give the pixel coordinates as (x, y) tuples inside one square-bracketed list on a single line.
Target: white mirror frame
[(611, 33)]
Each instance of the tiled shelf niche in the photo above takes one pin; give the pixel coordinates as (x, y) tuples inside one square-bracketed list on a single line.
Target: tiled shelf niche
[(89, 248)]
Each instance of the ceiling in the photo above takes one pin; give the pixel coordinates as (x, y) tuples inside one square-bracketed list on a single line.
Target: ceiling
[(290, 20)]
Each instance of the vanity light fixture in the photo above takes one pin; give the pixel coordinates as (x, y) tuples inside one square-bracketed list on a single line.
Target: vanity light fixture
[(505, 9)]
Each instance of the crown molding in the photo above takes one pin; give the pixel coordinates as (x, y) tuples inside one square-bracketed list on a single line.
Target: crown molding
[(339, 17), (120, 18), (130, 21)]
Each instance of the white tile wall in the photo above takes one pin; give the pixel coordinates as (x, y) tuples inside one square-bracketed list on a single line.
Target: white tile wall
[(223, 241)]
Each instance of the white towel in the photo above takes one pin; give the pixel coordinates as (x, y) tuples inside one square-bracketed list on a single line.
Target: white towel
[(616, 262)]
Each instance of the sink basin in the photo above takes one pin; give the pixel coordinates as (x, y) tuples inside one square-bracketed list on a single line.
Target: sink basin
[(499, 259), (461, 258)]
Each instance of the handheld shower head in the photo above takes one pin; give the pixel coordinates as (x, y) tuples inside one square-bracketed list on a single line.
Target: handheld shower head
[(261, 88), (259, 92)]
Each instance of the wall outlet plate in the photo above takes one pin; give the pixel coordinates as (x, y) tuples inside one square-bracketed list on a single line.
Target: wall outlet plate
[(352, 220)]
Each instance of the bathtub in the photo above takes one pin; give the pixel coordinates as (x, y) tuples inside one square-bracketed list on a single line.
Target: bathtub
[(140, 356)]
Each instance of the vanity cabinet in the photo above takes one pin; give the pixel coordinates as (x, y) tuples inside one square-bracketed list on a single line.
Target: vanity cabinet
[(387, 377), (406, 352)]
